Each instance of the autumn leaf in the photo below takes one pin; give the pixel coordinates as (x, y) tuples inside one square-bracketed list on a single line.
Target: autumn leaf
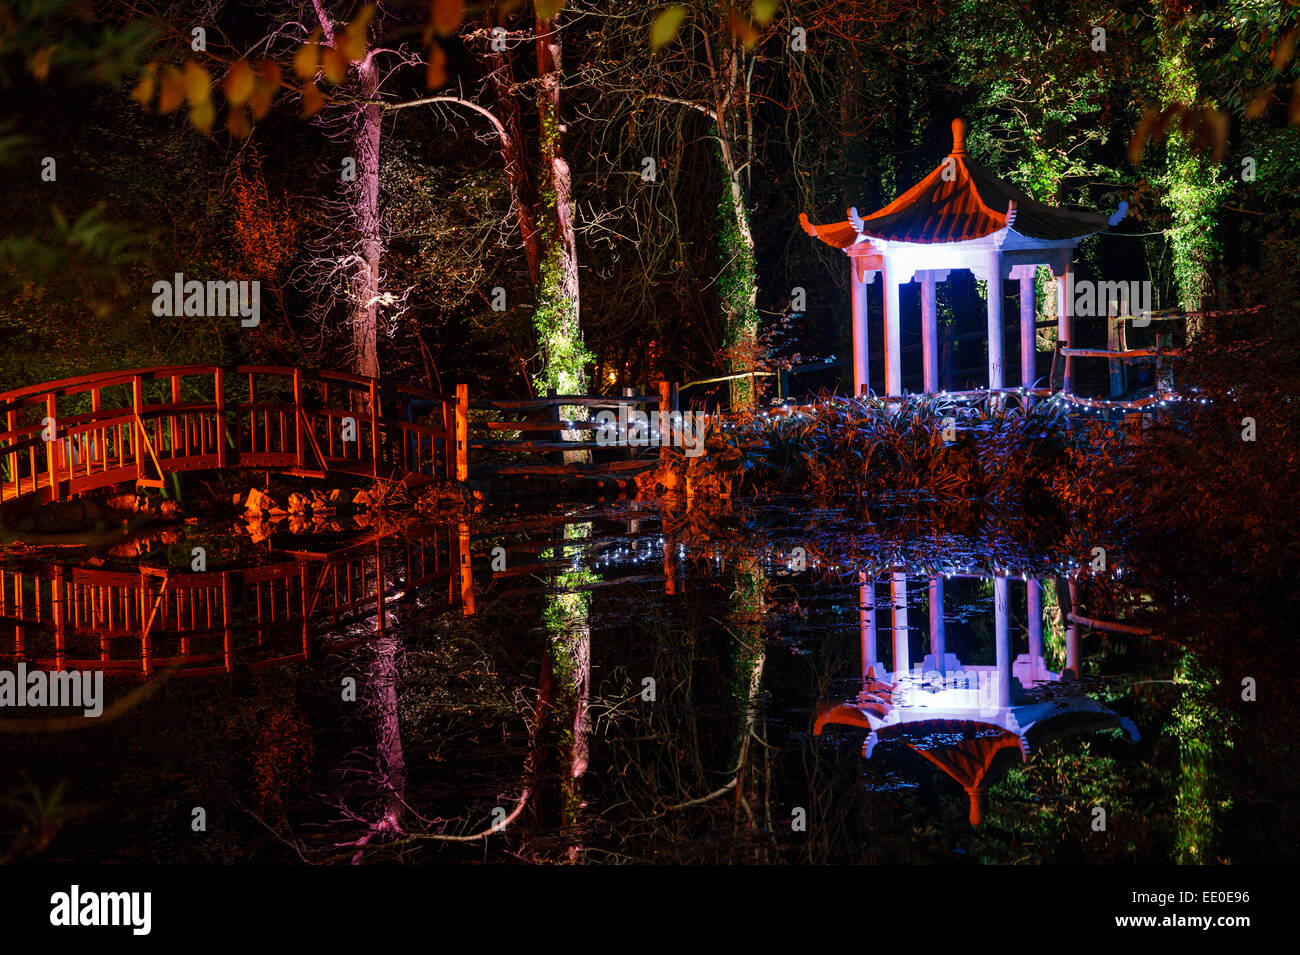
[(1259, 104), (238, 84), (172, 92), (269, 74), (664, 28), (548, 9), (202, 114), (198, 85), (268, 82), (307, 58), (447, 15), (354, 37), (312, 100), (743, 29), (1281, 54), (334, 65), (39, 63), (237, 122), (436, 75), (260, 102), (764, 11), (143, 91)]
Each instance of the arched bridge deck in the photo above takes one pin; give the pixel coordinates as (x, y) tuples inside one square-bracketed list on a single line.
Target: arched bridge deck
[(137, 426)]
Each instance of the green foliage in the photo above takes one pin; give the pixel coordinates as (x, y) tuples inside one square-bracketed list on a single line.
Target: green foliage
[(555, 320)]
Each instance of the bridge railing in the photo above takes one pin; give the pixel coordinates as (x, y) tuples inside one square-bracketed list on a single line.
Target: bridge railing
[(140, 621), (65, 437), (550, 429)]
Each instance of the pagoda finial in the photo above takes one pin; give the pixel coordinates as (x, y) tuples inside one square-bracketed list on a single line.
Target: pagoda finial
[(958, 137)]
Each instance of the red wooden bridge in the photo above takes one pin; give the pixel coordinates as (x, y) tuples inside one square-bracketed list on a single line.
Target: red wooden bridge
[(148, 619), (154, 618), (65, 437)]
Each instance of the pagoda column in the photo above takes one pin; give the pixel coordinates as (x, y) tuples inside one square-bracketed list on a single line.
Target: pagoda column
[(1034, 611), (1002, 641), (995, 319), (1072, 634), (898, 611), (1065, 319), (867, 623), (893, 344), (1028, 351), (937, 642), (861, 381), (930, 327)]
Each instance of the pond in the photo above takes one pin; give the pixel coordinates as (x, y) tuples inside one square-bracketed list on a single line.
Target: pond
[(620, 683)]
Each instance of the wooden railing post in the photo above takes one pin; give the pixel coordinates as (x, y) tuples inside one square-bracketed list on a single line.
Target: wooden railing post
[(58, 609), (97, 436), (52, 447), (219, 385), (137, 439), (298, 415), (176, 398), (11, 424), (464, 572), (462, 432)]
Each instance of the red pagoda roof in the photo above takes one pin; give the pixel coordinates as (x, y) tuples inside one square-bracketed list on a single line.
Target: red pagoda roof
[(958, 201)]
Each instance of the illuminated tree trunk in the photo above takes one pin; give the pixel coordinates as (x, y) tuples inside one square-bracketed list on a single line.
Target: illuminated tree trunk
[(569, 634), (745, 614), (361, 199), (391, 762), (738, 283), (555, 317), (363, 302)]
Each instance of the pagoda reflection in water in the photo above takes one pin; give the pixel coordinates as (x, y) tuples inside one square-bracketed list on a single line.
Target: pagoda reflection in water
[(971, 721)]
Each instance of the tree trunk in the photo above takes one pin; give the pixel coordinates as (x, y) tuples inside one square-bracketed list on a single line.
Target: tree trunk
[(559, 336), (739, 283), (514, 151), (363, 302)]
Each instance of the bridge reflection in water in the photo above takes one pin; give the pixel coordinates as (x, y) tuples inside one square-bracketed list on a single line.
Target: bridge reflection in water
[(971, 721), (207, 623)]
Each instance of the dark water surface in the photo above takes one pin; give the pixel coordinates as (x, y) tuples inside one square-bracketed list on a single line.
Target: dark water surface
[(780, 686)]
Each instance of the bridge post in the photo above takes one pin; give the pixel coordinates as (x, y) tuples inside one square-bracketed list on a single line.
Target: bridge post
[(464, 572), (137, 404), (374, 428), (176, 398), (12, 423), (58, 609), (462, 432), (297, 414), (219, 386), (52, 448)]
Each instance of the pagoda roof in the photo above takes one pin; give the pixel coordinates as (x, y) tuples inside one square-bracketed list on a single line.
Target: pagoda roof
[(966, 751), (958, 201)]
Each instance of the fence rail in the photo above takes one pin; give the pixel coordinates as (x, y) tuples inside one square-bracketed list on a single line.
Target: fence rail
[(138, 426)]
